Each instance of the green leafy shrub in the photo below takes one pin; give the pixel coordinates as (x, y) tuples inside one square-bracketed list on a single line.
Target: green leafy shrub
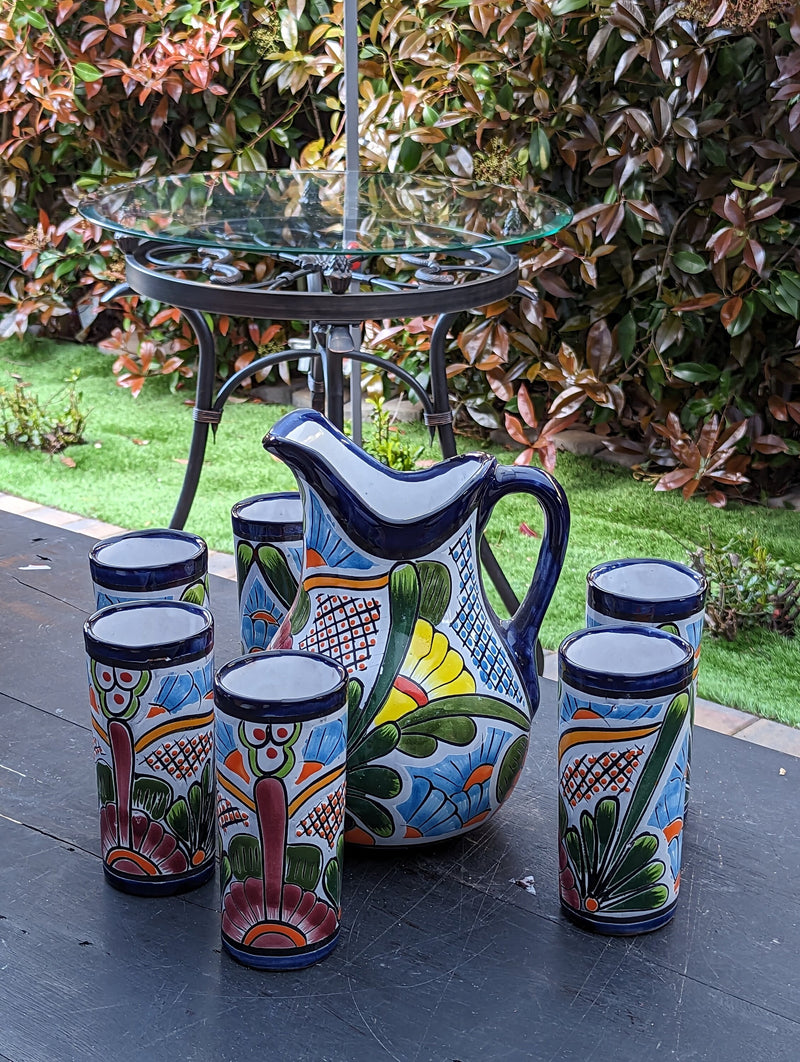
[(50, 426), (385, 442), (663, 319), (747, 586)]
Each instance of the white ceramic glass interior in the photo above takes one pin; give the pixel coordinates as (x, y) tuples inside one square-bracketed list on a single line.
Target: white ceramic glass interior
[(145, 552), (612, 653), (273, 511), (280, 677), (647, 581), (146, 625)]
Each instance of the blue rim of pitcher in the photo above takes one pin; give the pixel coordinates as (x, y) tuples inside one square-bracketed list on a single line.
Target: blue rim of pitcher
[(153, 576), (265, 529), (158, 653), (671, 679), (365, 527), (284, 705), (626, 606)]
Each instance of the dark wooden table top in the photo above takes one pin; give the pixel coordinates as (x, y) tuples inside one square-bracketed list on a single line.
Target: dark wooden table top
[(444, 956)]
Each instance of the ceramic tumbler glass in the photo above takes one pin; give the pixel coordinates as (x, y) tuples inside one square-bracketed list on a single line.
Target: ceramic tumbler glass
[(281, 739), (268, 543), (150, 689), (656, 593), (625, 696), (155, 564)]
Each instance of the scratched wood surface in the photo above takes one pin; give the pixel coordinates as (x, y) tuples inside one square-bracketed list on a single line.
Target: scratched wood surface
[(443, 955)]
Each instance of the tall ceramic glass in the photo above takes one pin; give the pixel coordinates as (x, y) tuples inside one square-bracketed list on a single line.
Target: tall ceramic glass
[(268, 542), (150, 674), (154, 564), (654, 593), (281, 737), (625, 697)]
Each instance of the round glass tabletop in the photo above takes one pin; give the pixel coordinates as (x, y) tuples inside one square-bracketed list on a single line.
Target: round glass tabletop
[(325, 212)]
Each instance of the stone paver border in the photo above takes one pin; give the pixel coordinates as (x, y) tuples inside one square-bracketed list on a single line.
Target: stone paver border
[(711, 716)]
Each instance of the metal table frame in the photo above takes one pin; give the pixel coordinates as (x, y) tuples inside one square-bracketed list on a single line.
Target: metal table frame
[(201, 281)]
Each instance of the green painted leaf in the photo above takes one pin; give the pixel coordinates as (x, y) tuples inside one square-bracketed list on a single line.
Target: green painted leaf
[(468, 704), (244, 558), (643, 879), (453, 729), (152, 796), (649, 900), (244, 853), (332, 881), (225, 873), (435, 586), (300, 612), (377, 743), (381, 782), (572, 843), (605, 822), (194, 594), (589, 838), (663, 754), (106, 791), (417, 745), (404, 593), (511, 765), (277, 573), (303, 865), (372, 816), (179, 819), (636, 858)]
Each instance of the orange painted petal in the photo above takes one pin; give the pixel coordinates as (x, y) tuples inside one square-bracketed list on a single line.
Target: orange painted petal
[(313, 559), (586, 713), (412, 831), (156, 709), (358, 836), (309, 767), (234, 762), (673, 829), (480, 774)]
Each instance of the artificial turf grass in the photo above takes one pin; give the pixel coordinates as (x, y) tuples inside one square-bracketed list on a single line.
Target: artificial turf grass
[(131, 484)]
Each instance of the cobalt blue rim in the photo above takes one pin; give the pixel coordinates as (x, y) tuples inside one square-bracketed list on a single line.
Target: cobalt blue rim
[(164, 884), (155, 576), (266, 530), (371, 532), (157, 655), (620, 606), (286, 707), (616, 928), (667, 680), (288, 959)]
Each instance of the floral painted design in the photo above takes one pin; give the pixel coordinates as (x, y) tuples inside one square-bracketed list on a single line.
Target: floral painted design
[(263, 915), (324, 745), (325, 544), (133, 843), (269, 746), (457, 790), (613, 847), (431, 669), (182, 691), (116, 691)]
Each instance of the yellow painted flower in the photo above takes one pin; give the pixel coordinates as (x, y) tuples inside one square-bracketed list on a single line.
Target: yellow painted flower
[(431, 670)]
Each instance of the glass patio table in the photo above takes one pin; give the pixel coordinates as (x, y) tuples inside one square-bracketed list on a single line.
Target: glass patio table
[(330, 248)]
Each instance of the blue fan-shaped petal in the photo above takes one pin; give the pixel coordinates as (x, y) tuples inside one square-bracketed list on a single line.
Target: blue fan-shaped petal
[(323, 536), (177, 692), (326, 743), (226, 740)]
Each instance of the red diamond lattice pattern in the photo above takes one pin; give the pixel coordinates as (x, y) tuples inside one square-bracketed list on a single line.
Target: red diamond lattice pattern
[(345, 628), (610, 772), (182, 758), (326, 818)]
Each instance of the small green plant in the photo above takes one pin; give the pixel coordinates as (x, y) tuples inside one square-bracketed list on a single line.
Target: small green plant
[(28, 423), (747, 586), (386, 443)]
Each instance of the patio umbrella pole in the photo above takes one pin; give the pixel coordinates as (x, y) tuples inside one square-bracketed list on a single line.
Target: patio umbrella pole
[(350, 75)]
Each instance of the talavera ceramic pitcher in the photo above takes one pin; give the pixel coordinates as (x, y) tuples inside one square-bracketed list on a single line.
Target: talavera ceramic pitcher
[(441, 693)]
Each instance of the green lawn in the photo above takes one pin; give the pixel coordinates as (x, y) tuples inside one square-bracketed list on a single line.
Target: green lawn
[(131, 470)]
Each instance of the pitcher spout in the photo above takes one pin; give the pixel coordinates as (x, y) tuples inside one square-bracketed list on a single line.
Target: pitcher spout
[(402, 514)]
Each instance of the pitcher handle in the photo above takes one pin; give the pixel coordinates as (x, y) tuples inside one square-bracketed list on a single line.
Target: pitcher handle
[(522, 628)]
